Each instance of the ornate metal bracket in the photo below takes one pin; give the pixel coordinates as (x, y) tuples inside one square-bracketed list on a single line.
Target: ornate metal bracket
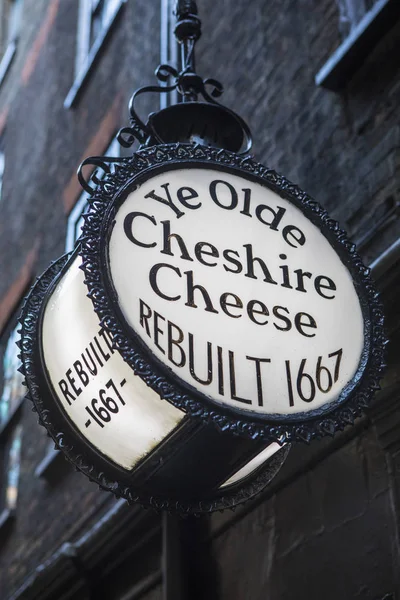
[(190, 121)]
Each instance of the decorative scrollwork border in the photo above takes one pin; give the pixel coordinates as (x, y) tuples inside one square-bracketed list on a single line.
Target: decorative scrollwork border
[(315, 424), (79, 453)]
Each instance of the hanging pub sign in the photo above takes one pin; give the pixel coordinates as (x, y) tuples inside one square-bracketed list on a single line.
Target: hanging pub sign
[(231, 293), (211, 315)]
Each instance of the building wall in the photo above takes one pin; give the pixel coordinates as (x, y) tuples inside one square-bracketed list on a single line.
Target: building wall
[(328, 525), (44, 144)]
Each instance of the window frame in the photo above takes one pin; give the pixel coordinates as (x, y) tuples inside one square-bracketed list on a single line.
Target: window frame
[(8, 509), (9, 418), (351, 12), (11, 431), (351, 53), (74, 218), (2, 165), (12, 37), (88, 54)]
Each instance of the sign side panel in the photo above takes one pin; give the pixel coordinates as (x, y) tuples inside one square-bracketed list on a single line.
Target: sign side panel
[(110, 406)]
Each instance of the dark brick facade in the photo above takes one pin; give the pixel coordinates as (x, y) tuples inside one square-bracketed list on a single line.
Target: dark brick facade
[(328, 526)]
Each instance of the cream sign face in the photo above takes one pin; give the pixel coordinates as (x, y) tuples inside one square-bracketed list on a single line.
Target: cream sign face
[(111, 408), (235, 291)]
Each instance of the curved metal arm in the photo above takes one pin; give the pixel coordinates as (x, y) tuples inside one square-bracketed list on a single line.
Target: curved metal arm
[(185, 81)]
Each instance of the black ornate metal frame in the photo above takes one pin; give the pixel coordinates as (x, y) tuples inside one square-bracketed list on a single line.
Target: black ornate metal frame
[(77, 449), (296, 427)]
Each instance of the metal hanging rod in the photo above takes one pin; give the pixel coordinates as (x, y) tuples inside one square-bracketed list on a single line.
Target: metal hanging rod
[(187, 32)]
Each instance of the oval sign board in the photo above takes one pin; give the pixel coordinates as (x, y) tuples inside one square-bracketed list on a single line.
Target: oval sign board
[(232, 293)]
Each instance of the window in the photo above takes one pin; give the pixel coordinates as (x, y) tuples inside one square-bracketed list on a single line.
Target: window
[(351, 12), (1, 169), (362, 24), (13, 389), (11, 470), (11, 432), (95, 20), (11, 11), (75, 221)]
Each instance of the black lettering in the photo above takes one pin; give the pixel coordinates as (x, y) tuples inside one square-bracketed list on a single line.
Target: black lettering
[(175, 342), (300, 324), (83, 376), (167, 201), (233, 194), (168, 236), (153, 280), (144, 318), (157, 330), (246, 202), (183, 198), (250, 265), (285, 271), (258, 362), (252, 311), (190, 294), (92, 368), (128, 222), (278, 315), (67, 394), (289, 231), (71, 381), (236, 304), (329, 285), (200, 249), (300, 279), (191, 362), (278, 214), (238, 265)]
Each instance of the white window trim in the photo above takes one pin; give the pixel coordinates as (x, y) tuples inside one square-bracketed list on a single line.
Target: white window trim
[(13, 33), (7, 59), (336, 61), (2, 166), (74, 217), (351, 12), (86, 56), (8, 418)]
